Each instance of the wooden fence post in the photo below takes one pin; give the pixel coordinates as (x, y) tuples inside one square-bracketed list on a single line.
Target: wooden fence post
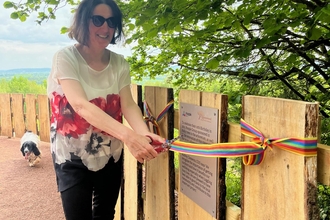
[(132, 185), (6, 126), (31, 113), (18, 114), (284, 185), (160, 178), (44, 118)]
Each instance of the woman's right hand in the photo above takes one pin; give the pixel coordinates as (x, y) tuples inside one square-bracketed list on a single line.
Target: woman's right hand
[(140, 147)]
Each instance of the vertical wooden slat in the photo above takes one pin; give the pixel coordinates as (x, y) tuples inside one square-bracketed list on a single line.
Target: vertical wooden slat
[(18, 115), (140, 212), (133, 203), (233, 212), (188, 209), (323, 164), (282, 175), (31, 113), (176, 118), (43, 116), (220, 102), (160, 178), (234, 132), (5, 116)]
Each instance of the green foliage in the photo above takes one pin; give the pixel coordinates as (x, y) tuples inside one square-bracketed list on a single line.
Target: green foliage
[(233, 181), (45, 9), (323, 199), (283, 45), (20, 84), (176, 154), (4, 86), (325, 134)]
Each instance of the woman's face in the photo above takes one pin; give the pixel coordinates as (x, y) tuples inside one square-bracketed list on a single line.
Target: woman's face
[(100, 37)]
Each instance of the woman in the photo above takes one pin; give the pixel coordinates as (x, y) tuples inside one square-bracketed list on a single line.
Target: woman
[(89, 90)]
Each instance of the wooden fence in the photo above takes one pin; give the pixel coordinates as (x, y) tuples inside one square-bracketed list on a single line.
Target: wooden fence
[(19, 113), (284, 186)]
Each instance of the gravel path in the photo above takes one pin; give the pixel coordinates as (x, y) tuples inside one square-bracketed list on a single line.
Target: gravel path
[(27, 192)]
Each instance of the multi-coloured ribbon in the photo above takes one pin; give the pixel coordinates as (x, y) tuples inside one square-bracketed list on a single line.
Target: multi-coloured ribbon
[(252, 152), (149, 119), (301, 146)]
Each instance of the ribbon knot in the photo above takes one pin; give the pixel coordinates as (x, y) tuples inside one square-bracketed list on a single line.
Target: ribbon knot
[(150, 119), (263, 142), (267, 143), (301, 146)]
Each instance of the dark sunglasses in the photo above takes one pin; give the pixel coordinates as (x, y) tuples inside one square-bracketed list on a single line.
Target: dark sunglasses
[(98, 21)]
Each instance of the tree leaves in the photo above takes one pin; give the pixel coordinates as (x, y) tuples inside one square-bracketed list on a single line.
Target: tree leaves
[(8, 4), (212, 64), (283, 45), (314, 34), (64, 30), (265, 39), (46, 9), (324, 14), (14, 15)]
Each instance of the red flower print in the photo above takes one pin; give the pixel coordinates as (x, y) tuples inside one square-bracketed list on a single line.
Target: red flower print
[(113, 107), (99, 102), (69, 123)]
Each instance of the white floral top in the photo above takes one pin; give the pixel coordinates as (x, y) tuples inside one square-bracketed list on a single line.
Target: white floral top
[(74, 142)]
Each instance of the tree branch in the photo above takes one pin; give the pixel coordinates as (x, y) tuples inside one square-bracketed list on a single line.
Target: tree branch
[(308, 59)]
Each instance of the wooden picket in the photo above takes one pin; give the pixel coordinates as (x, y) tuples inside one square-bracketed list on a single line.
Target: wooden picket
[(133, 201), (43, 117), (18, 115), (31, 113), (6, 123), (282, 174), (159, 173), (21, 113), (323, 164)]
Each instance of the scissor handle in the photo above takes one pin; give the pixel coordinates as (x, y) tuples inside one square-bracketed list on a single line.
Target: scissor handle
[(158, 146), (153, 142)]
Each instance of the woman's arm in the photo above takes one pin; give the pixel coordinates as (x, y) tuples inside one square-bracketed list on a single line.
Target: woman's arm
[(138, 144)]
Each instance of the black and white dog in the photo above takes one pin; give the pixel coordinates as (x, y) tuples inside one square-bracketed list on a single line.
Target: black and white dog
[(30, 148)]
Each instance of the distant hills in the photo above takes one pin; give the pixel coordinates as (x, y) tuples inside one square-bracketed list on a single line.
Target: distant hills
[(26, 70), (34, 74), (40, 74)]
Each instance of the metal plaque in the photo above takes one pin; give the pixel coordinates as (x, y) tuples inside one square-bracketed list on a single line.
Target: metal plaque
[(198, 175)]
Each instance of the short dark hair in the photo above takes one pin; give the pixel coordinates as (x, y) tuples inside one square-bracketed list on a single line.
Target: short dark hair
[(79, 29)]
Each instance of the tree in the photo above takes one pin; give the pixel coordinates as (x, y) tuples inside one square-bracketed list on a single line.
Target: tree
[(21, 84), (257, 41), (275, 48), (46, 9)]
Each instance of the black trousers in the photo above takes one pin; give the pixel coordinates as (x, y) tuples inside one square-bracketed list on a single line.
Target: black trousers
[(96, 196)]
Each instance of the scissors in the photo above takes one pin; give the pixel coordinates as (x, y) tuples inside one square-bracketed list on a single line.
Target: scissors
[(162, 147)]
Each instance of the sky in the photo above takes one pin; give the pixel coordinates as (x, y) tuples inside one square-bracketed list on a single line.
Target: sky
[(30, 45)]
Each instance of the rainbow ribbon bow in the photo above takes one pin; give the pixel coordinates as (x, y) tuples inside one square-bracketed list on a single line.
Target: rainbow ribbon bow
[(252, 152)]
